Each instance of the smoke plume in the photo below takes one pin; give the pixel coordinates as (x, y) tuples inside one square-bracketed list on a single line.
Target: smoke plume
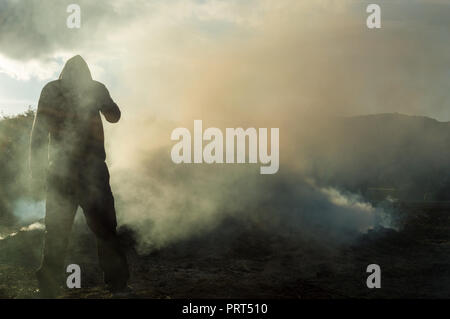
[(281, 73)]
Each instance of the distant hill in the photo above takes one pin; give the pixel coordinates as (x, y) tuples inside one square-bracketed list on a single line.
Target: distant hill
[(408, 153)]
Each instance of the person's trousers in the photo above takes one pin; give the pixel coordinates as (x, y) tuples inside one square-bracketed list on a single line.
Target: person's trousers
[(89, 189)]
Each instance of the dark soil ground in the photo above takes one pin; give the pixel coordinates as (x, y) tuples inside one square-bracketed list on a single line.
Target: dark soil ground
[(415, 263)]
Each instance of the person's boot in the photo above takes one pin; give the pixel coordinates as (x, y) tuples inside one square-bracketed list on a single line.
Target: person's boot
[(47, 284), (122, 291)]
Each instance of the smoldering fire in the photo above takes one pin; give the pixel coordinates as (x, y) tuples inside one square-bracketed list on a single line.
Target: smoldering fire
[(213, 151)]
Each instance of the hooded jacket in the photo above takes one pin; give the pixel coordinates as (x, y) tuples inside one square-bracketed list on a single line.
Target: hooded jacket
[(68, 121)]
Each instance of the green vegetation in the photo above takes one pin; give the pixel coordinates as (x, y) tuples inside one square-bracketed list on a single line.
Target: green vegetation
[(14, 173)]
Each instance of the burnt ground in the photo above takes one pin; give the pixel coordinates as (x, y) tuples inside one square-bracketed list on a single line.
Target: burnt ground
[(415, 263)]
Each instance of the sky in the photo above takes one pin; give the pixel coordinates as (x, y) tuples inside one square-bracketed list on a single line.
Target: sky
[(322, 52)]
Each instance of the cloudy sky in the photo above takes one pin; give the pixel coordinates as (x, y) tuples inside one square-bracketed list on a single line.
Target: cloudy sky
[(190, 56)]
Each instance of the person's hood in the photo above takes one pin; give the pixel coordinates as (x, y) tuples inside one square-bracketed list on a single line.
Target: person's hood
[(76, 72)]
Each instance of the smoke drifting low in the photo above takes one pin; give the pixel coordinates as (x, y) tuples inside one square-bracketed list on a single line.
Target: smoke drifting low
[(166, 203)]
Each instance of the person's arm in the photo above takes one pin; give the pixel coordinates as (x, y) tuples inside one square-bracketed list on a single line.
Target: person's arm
[(40, 136), (109, 108)]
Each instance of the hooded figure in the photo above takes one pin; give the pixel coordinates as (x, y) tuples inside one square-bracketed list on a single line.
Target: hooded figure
[(68, 121)]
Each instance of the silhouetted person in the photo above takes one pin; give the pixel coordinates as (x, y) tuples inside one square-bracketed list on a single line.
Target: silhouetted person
[(68, 121)]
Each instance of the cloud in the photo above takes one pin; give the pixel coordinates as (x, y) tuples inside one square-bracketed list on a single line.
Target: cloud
[(326, 43), (37, 29), (25, 70)]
